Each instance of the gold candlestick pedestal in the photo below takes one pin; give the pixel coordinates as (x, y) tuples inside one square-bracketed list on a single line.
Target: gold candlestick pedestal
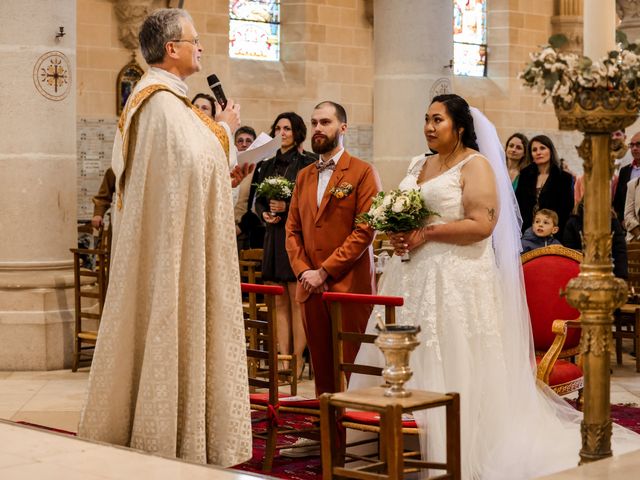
[(596, 292)]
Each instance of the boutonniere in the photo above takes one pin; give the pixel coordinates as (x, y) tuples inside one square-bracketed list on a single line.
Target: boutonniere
[(341, 191)]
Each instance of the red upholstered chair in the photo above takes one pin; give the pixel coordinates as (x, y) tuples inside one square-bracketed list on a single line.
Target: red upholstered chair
[(554, 323)]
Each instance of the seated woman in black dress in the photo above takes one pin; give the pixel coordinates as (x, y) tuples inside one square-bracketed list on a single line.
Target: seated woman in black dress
[(275, 263), (543, 184)]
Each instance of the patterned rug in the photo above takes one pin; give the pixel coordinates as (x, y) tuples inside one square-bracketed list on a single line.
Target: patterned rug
[(626, 415), (309, 468)]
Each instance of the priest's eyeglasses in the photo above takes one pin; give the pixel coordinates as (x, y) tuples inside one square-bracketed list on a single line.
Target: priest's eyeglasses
[(195, 42), (634, 144)]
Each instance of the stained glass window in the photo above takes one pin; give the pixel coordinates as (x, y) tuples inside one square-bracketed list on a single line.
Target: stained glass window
[(254, 29), (470, 37)]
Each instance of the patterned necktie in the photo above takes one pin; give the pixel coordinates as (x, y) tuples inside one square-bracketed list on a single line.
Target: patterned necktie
[(322, 166)]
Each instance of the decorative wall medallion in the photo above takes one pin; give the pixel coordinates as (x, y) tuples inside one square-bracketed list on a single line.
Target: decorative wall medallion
[(52, 75), (440, 87)]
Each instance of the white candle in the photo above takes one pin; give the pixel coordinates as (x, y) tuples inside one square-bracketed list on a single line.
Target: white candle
[(599, 28)]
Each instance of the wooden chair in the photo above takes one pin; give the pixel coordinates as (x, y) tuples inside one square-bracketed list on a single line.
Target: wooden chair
[(554, 323), (267, 354), (627, 317), (254, 306), (250, 261), (633, 246), (369, 411), (89, 284)]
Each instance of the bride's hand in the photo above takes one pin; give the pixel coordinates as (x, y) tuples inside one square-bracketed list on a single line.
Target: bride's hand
[(404, 242)]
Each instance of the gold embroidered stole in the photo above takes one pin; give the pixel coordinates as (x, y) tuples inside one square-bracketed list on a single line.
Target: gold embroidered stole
[(136, 102)]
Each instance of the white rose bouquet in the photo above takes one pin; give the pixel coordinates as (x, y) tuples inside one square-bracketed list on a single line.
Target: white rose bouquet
[(396, 211), (275, 188)]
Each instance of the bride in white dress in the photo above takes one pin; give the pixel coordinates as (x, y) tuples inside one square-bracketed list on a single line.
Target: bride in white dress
[(463, 285)]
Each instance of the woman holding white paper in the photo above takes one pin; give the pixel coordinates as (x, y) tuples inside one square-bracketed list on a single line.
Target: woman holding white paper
[(289, 159)]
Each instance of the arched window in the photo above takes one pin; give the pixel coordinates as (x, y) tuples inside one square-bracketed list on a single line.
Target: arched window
[(254, 29), (470, 37)]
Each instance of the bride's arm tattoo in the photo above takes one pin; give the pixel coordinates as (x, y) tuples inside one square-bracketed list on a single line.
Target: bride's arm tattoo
[(492, 213)]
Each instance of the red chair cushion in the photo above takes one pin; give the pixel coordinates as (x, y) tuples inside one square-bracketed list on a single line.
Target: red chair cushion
[(544, 278), (563, 372), (263, 399), (371, 418), (310, 403)]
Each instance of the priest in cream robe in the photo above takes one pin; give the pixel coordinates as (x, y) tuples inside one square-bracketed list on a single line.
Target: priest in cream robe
[(169, 374)]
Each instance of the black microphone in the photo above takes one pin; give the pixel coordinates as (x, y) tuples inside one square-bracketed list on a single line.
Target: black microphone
[(216, 88)]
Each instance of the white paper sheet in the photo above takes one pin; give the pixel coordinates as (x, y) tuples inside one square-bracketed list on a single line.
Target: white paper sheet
[(262, 148)]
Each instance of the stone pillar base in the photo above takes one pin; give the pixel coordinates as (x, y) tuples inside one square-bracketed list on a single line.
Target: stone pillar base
[(37, 314)]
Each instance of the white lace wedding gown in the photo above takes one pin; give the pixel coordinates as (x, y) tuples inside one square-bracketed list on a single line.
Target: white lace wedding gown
[(454, 294)]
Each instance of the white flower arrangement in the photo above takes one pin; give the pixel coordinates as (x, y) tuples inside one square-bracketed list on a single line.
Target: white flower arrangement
[(275, 188), (396, 211), (561, 76)]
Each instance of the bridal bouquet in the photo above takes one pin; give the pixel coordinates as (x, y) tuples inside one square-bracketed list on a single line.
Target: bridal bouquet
[(275, 188), (396, 211)]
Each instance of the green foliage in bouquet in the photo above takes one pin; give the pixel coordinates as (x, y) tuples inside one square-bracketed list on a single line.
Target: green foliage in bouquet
[(396, 211), (275, 188)]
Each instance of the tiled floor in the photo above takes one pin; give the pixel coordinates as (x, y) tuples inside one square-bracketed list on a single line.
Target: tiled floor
[(30, 454), (54, 399)]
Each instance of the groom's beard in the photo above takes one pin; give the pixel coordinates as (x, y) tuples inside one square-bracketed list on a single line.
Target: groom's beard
[(322, 144)]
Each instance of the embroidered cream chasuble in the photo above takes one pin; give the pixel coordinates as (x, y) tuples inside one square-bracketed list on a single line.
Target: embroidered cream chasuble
[(169, 374)]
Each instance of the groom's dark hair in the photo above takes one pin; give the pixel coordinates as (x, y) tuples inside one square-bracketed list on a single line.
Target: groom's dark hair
[(341, 113), (459, 112)]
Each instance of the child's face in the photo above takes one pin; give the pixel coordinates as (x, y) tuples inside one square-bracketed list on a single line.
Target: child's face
[(543, 226)]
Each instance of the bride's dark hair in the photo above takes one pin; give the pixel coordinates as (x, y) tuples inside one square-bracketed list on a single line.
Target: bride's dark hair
[(459, 112)]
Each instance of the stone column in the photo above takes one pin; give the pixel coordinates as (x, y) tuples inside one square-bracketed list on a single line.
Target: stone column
[(629, 13), (599, 28), (37, 184), (567, 19), (413, 44)]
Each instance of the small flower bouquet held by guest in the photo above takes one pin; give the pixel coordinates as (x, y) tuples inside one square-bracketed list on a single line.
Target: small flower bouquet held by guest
[(396, 211), (275, 188)]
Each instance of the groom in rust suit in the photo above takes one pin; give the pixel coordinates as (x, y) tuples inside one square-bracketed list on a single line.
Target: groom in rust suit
[(327, 249)]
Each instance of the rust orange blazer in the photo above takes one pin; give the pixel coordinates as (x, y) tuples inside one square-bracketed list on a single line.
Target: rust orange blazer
[(327, 236)]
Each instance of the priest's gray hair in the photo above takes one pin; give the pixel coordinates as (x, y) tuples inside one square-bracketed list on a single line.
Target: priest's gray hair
[(160, 27)]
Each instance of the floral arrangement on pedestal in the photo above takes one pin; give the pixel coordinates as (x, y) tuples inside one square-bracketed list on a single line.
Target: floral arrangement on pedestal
[(561, 76), (574, 82)]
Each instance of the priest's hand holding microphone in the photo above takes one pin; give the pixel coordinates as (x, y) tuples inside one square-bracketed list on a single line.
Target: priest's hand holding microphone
[(229, 113)]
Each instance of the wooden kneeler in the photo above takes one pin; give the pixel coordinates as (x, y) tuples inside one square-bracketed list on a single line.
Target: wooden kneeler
[(392, 461)]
